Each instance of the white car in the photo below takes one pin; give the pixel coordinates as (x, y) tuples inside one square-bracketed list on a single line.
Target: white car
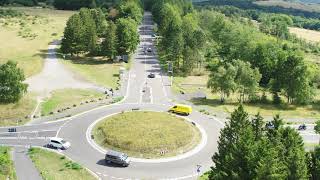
[(58, 143)]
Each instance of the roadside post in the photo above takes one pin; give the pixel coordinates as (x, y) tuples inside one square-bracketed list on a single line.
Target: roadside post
[(198, 169), (170, 70)]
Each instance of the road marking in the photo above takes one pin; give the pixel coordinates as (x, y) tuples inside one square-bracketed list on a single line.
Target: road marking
[(27, 132)]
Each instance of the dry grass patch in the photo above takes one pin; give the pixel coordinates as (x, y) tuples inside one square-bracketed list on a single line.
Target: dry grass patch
[(147, 134), (15, 113), (309, 35), (27, 37), (98, 71)]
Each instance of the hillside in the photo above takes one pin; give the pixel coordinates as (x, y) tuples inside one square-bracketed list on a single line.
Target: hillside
[(303, 5)]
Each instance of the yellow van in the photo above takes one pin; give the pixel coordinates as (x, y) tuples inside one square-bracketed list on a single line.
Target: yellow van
[(181, 109)]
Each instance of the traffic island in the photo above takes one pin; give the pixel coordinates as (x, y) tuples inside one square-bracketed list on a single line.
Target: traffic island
[(148, 135)]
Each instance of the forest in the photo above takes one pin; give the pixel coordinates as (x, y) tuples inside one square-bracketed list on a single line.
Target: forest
[(240, 58)]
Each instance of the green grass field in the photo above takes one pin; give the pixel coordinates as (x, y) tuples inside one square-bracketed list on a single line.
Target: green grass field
[(147, 134), (26, 38), (53, 166), (198, 83), (100, 72), (7, 171), (67, 98), (15, 113)]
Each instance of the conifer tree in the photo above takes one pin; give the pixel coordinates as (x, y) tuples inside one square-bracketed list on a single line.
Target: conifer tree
[(109, 45)]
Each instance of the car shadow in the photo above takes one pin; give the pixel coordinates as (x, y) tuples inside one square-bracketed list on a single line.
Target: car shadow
[(102, 162)]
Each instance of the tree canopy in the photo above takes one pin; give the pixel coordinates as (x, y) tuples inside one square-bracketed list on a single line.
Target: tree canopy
[(12, 87)]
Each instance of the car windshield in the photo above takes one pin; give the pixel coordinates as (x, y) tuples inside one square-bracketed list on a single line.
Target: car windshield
[(124, 157)]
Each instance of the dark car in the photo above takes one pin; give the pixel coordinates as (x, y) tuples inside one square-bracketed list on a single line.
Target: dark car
[(117, 158), (151, 75), (302, 127), (149, 50), (269, 125)]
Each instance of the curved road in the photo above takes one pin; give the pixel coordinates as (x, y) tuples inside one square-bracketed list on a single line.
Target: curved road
[(143, 94)]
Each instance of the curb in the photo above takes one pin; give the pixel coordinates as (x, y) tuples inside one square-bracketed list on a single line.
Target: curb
[(193, 151), (60, 153)]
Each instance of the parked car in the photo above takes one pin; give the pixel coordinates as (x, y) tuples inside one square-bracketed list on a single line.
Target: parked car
[(149, 50), (302, 127), (117, 158), (151, 75), (58, 143), (181, 109), (269, 125)]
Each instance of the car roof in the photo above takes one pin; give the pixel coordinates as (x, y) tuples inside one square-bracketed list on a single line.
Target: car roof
[(114, 153), (56, 139)]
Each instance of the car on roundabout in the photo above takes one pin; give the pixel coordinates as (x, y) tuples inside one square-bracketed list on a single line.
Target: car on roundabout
[(58, 143), (302, 127), (181, 109), (117, 158), (151, 75)]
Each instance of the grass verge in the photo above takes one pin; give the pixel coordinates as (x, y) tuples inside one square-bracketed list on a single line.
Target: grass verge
[(7, 171), (17, 113), (67, 98), (147, 134), (100, 72), (212, 102), (57, 167)]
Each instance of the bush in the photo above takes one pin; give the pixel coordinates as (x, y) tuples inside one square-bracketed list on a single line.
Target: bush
[(72, 165)]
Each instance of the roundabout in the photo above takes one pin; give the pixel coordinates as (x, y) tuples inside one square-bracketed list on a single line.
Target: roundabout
[(146, 134), (183, 143)]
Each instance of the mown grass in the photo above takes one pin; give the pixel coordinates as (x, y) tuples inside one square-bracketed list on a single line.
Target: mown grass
[(56, 167), (67, 98), (192, 84), (15, 113), (25, 39), (7, 171), (146, 134), (99, 71)]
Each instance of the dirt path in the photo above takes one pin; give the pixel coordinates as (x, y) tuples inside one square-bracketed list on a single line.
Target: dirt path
[(55, 76)]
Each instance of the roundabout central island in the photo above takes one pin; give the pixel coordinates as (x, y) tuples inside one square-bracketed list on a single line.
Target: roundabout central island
[(147, 134)]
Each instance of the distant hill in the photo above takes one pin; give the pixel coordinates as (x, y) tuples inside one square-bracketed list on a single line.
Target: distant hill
[(305, 5)]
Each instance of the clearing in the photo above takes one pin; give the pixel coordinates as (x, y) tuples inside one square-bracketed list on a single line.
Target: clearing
[(309, 35), (54, 166), (147, 134), (27, 37)]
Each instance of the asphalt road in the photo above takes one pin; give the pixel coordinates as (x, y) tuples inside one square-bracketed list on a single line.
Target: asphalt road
[(142, 94)]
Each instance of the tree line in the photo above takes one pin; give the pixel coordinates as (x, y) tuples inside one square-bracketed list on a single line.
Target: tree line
[(247, 149), (193, 37), (94, 32)]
